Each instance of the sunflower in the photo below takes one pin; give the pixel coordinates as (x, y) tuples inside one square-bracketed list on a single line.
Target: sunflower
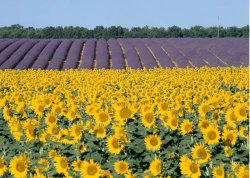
[(200, 153), (105, 174), (90, 169), (3, 167), (99, 131), (77, 165), (242, 172), (6, 113), (229, 137), (76, 131), (148, 119), (81, 148), (61, 164), (114, 144), (121, 167), (123, 113), (203, 109), (102, 118), (164, 119), (153, 142), (218, 172), (228, 151), (204, 124), (241, 111), (243, 132), (52, 154), (215, 116), (231, 117), (51, 119), (90, 109), (211, 135), (186, 127), (156, 167), (189, 167), (19, 166), (173, 123)]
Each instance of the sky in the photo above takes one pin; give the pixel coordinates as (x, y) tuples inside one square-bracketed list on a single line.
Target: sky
[(126, 13)]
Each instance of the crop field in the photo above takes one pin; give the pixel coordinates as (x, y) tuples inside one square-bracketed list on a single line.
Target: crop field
[(179, 122), (63, 54)]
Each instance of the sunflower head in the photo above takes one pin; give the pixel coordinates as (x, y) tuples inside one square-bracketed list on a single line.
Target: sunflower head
[(19, 166), (114, 145), (121, 167), (218, 172), (156, 167), (186, 127), (3, 167), (90, 169), (200, 153), (153, 142), (212, 135)]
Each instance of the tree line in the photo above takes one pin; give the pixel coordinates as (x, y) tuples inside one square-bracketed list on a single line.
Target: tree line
[(18, 31)]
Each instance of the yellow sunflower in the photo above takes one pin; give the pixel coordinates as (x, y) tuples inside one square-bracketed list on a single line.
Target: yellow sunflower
[(203, 109), (44, 164), (114, 144), (77, 165), (218, 172), (203, 124), (241, 112), (229, 137), (156, 167), (61, 164), (189, 168), (200, 153), (231, 118), (211, 135), (99, 131), (153, 142), (51, 119), (3, 167), (123, 113), (52, 153), (243, 132), (76, 131), (148, 119), (121, 167), (90, 169), (19, 166), (102, 118), (173, 123), (81, 147), (164, 119), (228, 151), (242, 172), (105, 174), (186, 127)]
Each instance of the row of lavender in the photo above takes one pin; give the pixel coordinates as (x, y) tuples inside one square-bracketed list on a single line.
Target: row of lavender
[(65, 54)]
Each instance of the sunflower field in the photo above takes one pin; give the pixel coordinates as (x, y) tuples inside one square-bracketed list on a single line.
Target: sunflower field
[(190, 122)]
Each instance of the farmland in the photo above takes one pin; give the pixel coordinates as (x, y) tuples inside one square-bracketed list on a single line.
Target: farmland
[(64, 54)]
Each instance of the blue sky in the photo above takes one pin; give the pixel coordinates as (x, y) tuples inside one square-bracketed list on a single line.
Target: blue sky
[(127, 13)]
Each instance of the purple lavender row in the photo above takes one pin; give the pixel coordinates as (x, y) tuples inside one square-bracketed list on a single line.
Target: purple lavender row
[(130, 54), (174, 54), (74, 55), (102, 54), (145, 55), (116, 54), (161, 56), (88, 54), (17, 56), (46, 54), (5, 44), (59, 55), (4, 55), (32, 55)]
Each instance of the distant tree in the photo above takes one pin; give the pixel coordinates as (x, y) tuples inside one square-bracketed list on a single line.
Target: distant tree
[(174, 31)]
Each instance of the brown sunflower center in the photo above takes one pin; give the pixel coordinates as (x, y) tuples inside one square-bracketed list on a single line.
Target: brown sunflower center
[(92, 170), (1, 164), (52, 119), (115, 143), (194, 168), (78, 131), (122, 167), (153, 141), (204, 125), (174, 122), (188, 128), (164, 106), (219, 172), (103, 117), (212, 135), (63, 163), (202, 153), (125, 113), (242, 112), (149, 117), (20, 167)]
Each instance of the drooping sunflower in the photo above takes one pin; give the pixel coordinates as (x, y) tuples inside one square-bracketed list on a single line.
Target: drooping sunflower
[(81, 147), (189, 168), (228, 151), (52, 154), (77, 165), (121, 167), (218, 172), (19, 166), (164, 119), (90, 169), (99, 131), (242, 172), (114, 144), (148, 119), (153, 142), (243, 132), (229, 137), (211, 135), (44, 164), (200, 153), (105, 174), (156, 167), (61, 164), (3, 167), (186, 127)]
